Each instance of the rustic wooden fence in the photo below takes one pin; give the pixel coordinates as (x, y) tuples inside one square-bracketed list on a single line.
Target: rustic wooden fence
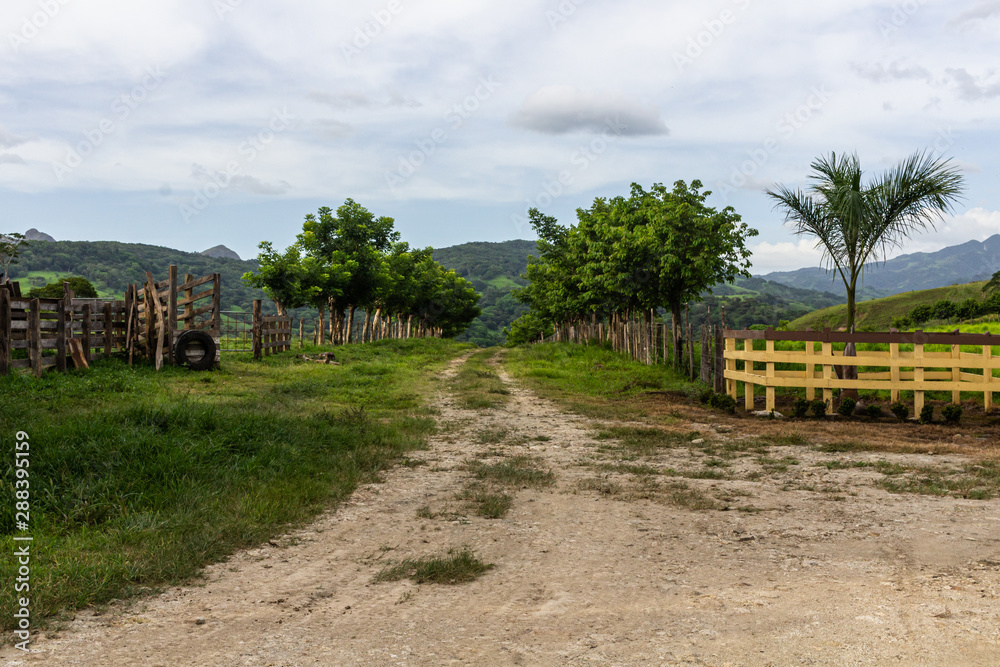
[(74, 328), (815, 367), (271, 333)]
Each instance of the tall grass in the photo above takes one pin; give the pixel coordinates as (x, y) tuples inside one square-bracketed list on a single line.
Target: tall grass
[(138, 478)]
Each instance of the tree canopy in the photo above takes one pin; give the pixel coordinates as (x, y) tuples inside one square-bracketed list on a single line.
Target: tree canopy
[(653, 249)]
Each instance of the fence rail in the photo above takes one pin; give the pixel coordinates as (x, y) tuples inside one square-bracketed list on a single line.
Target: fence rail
[(918, 370)]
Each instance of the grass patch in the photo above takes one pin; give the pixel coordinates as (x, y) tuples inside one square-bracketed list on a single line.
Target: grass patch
[(592, 379), (488, 502), (974, 481), (519, 471), (455, 568), (646, 441), (139, 479), (477, 386)]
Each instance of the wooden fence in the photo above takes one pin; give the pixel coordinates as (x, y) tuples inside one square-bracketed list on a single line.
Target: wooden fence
[(895, 370), (271, 333), (75, 328)]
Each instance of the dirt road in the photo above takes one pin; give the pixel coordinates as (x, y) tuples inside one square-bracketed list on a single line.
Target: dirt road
[(797, 557)]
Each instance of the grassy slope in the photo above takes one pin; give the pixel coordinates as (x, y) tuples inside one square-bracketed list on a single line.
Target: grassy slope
[(877, 315), (139, 478)]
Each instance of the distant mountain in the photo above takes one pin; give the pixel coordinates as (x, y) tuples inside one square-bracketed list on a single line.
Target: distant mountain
[(35, 235), (113, 266), (221, 251), (954, 265), (495, 270)]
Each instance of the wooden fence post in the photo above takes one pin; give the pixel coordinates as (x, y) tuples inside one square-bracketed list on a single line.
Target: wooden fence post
[(109, 329), (769, 389), (257, 330), (706, 356), (188, 306), (6, 333), (35, 336), (720, 362), (956, 375), (918, 373), (171, 310), (748, 387), (85, 333), (988, 377), (217, 304), (64, 303)]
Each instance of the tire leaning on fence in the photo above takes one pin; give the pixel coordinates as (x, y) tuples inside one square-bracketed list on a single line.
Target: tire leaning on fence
[(195, 349)]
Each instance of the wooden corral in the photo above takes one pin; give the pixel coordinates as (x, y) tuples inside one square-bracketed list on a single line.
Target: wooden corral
[(104, 327)]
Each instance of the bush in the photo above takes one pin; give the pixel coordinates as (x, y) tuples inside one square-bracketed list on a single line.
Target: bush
[(723, 402), (82, 289), (874, 410), (901, 323), (900, 410), (801, 407), (921, 314), (705, 396), (846, 407), (944, 309), (927, 414), (968, 309), (818, 408), (952, 413)]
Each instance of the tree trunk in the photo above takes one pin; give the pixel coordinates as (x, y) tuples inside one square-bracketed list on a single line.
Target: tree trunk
[(350, 324)]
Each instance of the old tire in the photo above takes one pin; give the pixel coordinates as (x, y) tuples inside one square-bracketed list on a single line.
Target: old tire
[(195, 349)]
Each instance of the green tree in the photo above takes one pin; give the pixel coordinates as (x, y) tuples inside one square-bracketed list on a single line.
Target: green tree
[(993, 285), (355, 236), (857, 222), (82, 288), (10, 249), (282, 277)]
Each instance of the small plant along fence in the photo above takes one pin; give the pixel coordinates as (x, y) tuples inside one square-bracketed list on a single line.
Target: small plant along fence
[(808, 359), (55, 332)]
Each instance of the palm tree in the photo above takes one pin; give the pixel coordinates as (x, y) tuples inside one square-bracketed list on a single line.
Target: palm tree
[(857, 223)]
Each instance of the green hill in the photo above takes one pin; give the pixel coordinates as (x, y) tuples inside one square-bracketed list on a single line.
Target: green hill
[(878, 314), (112, 266), (495, 270)]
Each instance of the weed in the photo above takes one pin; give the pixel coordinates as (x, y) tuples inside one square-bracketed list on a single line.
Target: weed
[(952, 413), (873, 410), (646, 441), (520, 471), (818, 409), (846, 407), (800, 408), (899, 410), (927, 414), (457, 568)]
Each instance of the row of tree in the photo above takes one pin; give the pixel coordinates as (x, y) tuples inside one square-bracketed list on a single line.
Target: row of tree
[(629, 257), (349, 260)]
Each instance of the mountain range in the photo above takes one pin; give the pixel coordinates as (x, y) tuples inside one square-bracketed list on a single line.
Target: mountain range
[(954, 265)]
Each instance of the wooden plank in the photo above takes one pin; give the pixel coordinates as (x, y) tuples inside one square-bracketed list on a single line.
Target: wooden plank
[(195, 282), (85, 335), (195, 313), (171, 311), (77, 353), (35, 338), (902, 337), (109, 325), (256, 330), (186, 301), (61, 331), (6, 334)]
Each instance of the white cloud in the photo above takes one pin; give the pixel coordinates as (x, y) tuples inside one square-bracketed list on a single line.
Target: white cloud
[(563, 109), (784, 256)]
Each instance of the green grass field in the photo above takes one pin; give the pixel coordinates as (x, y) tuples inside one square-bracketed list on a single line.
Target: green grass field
[(878, 314), (139, 478)]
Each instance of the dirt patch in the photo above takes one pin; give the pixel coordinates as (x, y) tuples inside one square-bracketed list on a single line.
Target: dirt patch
[(716, 541)]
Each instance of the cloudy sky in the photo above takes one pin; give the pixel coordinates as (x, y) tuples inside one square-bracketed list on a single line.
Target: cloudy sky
[(190, 123)]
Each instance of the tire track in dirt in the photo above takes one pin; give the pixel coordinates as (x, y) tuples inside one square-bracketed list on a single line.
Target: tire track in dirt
[(603, 567)]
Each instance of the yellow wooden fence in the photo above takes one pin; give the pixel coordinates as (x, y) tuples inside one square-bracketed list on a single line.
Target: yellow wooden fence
[(917, 370)]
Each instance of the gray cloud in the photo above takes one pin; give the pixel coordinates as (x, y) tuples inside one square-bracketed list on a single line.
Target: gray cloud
[(9, 140), (969, 87), (562, 109), (979, 12), (256, 186), (332, 129), (356, 99), (11, 158), (879, 73)]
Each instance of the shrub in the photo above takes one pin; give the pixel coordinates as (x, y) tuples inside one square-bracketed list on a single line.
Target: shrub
[(818, 408), (723, 402), (901, 323), (921, 314), (927, 414), (874, 410), (952, 413), (944, 309), (900, 410), (705, 396), (801, 407), (968, 309), (846, 407)]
